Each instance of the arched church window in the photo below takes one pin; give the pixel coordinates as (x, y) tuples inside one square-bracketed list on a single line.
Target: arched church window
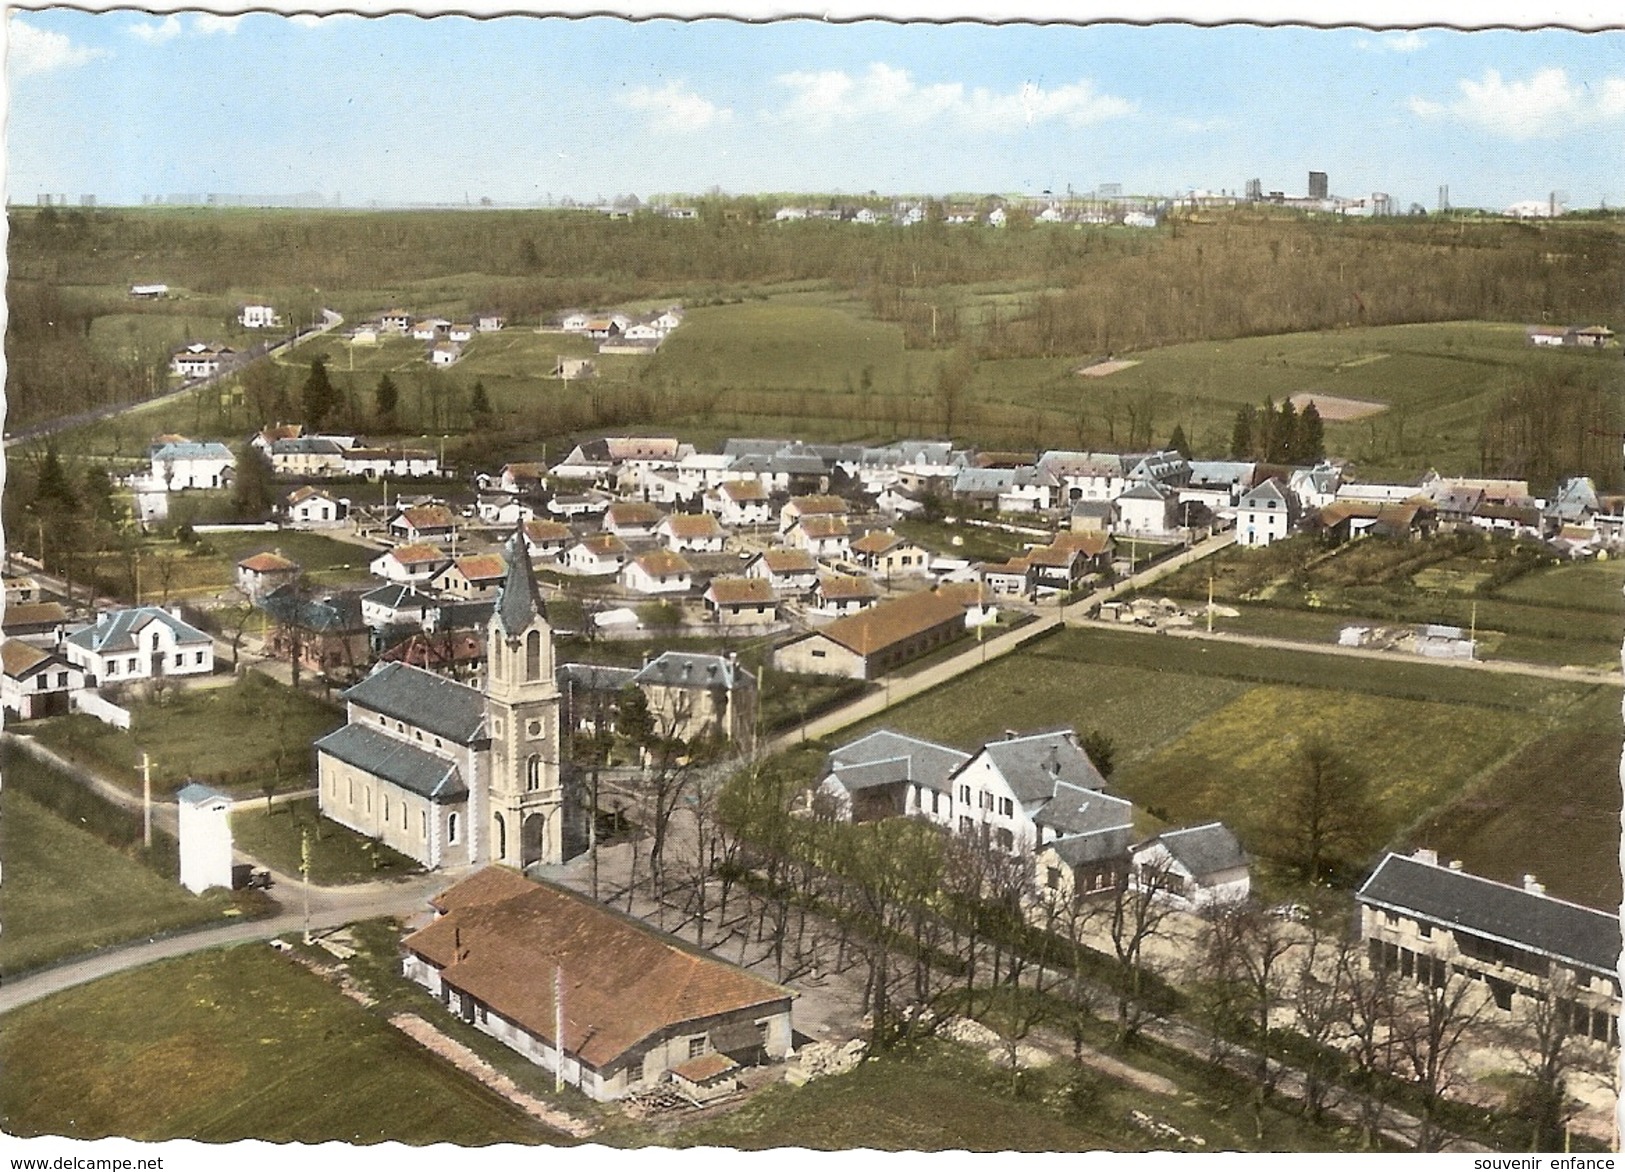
[(533, 772), (533, 656), (451, 828), (502, 838)]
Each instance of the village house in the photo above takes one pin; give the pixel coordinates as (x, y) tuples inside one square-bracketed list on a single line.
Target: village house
[(1148, 509), (741, 601), (200, 360), (979, 603), (397, 605), (1265, 514), (178, 463), (458, 655), (816, 505), (312, 456), (428, 329), (21, 589), (139, 643), (638, 1009), (885, 554), (740, 502), (522, 478), (599, 553), (822, 536), (471, 578), (415, 563), (791, 572), (1195, 868), (840, 594), (866, 645), (489, 323), (1425, 920), (263, 572), (1011, 579), (632, 519), (693, 696), (377, 463), (423, 523), (36, 683), (452, 775), (395, 321), (327, 634), (42, 624), (149, 292), (1405, 520), (547, 539), (502, 511), (445, 353), (311, 508), (658, 572), (691, 533), (259, 317)]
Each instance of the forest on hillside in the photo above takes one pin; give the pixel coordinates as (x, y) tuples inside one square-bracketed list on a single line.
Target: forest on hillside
[(1085, 291)]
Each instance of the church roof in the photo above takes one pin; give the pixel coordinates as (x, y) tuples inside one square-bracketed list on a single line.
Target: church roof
[(438, 706), (519, 601)]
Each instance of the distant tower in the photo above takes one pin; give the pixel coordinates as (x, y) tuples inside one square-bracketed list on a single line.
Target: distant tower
[(528, 809), (1444, 197), (205, 831), (1318, 187), (1255, 190)]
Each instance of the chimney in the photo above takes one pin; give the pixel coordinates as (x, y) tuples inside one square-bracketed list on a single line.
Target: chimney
[(1423, 855), (1455, 864), (1010, 734), (1532, 886)]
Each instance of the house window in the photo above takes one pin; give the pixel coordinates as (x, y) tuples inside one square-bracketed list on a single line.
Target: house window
[(179, 659), (964, 794), (423, 827), (112, 667), (200, 657), (130, 666), (1426, 930), (1052, 877), (1005, 839), (1006, 807), (818, 655), (696, 1047), (966, 824), (451, 828)]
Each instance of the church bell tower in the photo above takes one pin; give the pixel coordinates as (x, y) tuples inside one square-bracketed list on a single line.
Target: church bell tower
[(528, 804)]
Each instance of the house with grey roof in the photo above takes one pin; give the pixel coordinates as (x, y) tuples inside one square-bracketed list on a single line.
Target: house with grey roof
[(178, 464), (1265, 514), (887, 774), (1423, 920), (1193, 868), (140, 643), (692, 696)]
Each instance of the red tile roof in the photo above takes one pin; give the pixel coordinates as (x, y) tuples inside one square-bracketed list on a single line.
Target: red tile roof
[(736, 591), (889, 623), (623, 982)]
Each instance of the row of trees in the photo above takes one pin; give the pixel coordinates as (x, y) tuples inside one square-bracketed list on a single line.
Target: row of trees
[(1278, 435)]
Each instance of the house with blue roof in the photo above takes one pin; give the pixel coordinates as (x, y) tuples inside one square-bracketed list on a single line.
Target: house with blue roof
[(179, 463), (140, 643)]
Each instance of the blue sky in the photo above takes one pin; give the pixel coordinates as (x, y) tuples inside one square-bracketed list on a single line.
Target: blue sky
[(402, 108)]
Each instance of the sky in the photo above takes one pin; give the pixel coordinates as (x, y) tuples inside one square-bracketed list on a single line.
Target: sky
[(403, 109)]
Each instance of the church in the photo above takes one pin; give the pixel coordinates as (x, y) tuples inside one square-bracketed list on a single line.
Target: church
[(452, 775)]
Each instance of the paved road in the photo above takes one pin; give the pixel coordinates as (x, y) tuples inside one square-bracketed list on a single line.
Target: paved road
[(330, 321), (896, 689), (330, 907)]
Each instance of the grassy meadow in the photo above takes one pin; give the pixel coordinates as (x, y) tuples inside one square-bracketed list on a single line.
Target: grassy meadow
[(177, 1050)]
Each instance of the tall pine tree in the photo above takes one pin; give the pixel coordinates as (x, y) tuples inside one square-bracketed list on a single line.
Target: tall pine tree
[(1311, 435), (320, 398), (1241, 435), (385, 398)]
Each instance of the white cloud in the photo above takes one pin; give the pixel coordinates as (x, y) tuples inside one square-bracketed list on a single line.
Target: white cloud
[(674, 107), (207, 24), (823, 99), (1546, 102), (34, 51), (1406, 42), (156, 34), (312, 20)]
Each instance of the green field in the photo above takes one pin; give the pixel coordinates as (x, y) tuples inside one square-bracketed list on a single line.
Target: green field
[(337, 855), (1206, 730), (1516, 598), (68, 892), (230, 1045), (234, 737)]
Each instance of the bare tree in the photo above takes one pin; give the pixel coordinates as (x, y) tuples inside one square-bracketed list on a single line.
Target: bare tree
[(1433, 1016), (1368, 1036), (1138, 907), (1247, 949), (1549, 1036)]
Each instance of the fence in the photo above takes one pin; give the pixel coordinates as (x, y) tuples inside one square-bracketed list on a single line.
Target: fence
[(105, 711)]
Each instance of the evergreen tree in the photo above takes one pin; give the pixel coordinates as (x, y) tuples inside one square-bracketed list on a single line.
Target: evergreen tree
[(1264, 430), (1178, 443), (53, 491), (1284, 439), (253, 490), (479, 404), (1311, 435), (386, 398), (320, 398), (1241, 434), (99, 496)]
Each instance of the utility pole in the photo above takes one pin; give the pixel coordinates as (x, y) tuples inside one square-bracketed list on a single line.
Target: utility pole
[(1210, 603), (304, 875), (558, 1028), (146, 800)]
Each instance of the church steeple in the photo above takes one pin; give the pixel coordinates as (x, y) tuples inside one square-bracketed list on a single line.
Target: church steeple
[(519, 601)]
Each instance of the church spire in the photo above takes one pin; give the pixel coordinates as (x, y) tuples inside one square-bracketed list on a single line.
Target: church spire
[(519, 602)]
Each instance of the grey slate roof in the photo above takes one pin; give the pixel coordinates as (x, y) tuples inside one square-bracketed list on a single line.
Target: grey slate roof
[(398, 594), (519, 601), (433, 703), (1034, 765), (1498, 911), (926, 763), (117, 630), (1093, 848), (593, 677), (1263, 494), (416, 770), (686, 670), (195, 794), (1075, 810), (191, 450), (1202, 850), (460, 616)]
